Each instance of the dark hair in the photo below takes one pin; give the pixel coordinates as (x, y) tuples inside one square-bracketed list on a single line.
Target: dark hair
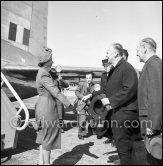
[(125, 53), (90, 73), (119, 48)]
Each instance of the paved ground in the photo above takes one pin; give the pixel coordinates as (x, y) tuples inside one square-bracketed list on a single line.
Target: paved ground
[(90, 151)]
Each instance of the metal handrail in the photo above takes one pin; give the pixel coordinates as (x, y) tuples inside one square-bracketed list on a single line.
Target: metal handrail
[(4, 79)]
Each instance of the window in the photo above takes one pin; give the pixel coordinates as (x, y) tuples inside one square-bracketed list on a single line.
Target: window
[(26, 36), (12, 31)]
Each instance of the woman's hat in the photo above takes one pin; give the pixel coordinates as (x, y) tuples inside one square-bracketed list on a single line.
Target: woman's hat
[(44, 56), (154, 146)]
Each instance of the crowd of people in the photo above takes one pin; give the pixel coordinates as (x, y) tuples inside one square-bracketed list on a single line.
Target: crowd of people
[(126, 96)]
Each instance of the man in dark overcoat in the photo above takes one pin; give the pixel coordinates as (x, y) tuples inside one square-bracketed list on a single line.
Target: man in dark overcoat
[(121, 98), (150, 91), (106, 130)]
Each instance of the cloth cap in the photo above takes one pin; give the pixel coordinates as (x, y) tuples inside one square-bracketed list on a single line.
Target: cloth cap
[(44, 56), (104, 62)]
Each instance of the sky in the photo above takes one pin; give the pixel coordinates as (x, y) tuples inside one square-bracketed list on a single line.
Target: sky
[(79, 32)]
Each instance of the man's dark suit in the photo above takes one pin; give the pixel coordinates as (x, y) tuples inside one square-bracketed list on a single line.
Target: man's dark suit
[(121, 89), (106, 130), (103, 82), (150, 91), (150, 97)]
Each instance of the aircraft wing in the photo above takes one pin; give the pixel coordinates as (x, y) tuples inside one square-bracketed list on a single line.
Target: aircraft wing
[(22, 78), (29, 72)]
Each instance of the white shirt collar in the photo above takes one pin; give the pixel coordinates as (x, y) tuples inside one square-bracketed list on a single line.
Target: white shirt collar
[(116, 61)]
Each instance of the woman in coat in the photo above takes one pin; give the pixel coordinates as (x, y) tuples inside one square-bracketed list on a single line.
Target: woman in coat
[(49, 134)]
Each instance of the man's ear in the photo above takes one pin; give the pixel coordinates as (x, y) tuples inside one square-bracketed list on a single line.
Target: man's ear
[(116, 55), (145, 50)]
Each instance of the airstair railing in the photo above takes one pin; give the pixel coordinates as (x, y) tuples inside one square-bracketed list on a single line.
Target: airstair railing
[(4, 80)]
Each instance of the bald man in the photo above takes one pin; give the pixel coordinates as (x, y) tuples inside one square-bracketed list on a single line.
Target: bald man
[(121, 92)]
